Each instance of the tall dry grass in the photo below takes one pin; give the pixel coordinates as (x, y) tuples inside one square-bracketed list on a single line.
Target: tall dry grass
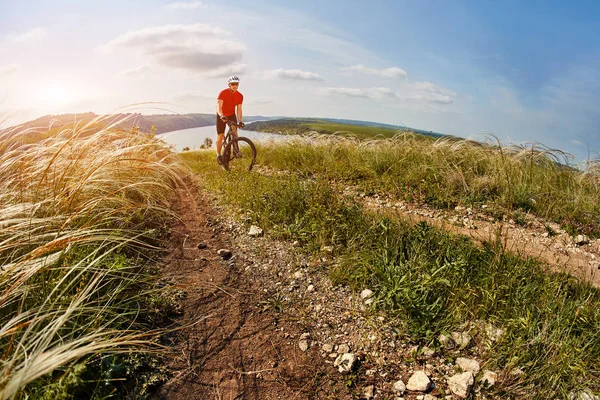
[(79, 221)]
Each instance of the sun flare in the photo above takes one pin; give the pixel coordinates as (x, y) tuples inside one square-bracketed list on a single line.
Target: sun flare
[(56, 94)]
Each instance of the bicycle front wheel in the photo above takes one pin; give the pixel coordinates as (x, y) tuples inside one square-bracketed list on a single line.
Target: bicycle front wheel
[(240, 155)]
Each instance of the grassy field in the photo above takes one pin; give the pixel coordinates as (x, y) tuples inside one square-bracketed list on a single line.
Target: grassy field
[(433, 281), (81, 223), (306, 126), (511, 181)]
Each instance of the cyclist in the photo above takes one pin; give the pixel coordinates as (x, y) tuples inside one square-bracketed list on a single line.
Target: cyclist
[(229, 108)]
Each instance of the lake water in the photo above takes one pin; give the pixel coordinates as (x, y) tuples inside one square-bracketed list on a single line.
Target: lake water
[(194, 137)]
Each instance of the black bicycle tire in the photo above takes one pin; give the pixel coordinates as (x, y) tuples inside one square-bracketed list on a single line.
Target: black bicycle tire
[(228, 152)]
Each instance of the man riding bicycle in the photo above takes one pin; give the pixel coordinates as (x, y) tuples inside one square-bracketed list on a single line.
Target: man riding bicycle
[(229, 108)]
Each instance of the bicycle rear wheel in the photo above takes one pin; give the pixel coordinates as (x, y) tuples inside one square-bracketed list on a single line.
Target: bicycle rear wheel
[(239, 155)]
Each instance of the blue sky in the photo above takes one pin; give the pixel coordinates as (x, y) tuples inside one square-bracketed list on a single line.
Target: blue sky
[(520, 70)]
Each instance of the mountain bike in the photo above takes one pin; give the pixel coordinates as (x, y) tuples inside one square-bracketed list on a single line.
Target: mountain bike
[(239, 149)]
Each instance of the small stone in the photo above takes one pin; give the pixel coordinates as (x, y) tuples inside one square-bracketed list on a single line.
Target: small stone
[(462, 339), (517, 372), (420, 397), (447, 342), (468, 365), (343, 348), (298, 275), (202, 246), (255, 231), (461, 384), (429, 397), (369, 392), (366, 293), (489, 378), (345, 363), (328, 347), (310, 288), (296, 243), (419, 382), (399, 387), (583, 395), (493, 333), (303, 344), (427, 352), (225, 253), (580, 240)]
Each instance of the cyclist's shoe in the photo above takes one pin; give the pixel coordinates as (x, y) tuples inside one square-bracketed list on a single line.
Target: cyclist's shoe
[(219, 159)]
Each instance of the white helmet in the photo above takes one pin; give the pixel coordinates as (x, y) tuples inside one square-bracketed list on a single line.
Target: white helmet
[(233, 79)]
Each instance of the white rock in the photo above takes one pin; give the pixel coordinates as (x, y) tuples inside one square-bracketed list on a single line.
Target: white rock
[(345, 363), (365, 294), (580, 240), (255, 231), (310, 288), (399, 387), (461, 384), (303, 344), (446, 341), (427, 352), (429, 397), (369, 392), (298, 275), (468, 365), (493, 333), (583, 395), (343, 348), (419, 382), (327, 347), (489, 378), (462, 339)]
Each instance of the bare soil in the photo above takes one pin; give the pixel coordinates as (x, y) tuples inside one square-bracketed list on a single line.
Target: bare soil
[(229, 346)]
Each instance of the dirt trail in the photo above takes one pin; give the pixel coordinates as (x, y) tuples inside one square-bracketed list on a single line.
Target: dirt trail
[(531, 239), (243, 318), (228, 347)]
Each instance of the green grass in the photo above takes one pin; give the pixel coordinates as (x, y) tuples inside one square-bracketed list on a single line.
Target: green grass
[(298, 126), (431, 280), (448, 172), (81, 223)]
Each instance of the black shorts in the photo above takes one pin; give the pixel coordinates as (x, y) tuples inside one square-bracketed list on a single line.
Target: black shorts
[(221, 124)]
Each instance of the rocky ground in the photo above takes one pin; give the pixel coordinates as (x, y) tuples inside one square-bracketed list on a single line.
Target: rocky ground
[(261, 321)]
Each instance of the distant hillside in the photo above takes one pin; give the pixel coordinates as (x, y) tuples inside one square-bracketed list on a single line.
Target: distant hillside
[(361, 129), (90, 123)]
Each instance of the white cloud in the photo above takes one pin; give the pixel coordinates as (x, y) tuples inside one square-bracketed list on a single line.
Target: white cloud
[(197, 47), (30, 36), (295, 74), (426, 92), (9, 69), (180, 5), (228, 70), (367, 93), (133, 72), (392, 72)]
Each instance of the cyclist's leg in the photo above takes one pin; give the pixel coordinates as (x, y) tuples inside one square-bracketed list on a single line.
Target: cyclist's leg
[(234, 134), (220, 136)]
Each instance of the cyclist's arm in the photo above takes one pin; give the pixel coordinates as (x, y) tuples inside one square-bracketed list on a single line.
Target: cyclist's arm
[(220, 107), (239, 113)]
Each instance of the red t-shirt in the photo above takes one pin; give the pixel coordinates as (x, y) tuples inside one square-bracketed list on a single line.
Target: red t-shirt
[(230, 100)]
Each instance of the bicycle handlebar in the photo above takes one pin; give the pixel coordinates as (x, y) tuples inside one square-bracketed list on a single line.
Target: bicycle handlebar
[(231, 123)]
